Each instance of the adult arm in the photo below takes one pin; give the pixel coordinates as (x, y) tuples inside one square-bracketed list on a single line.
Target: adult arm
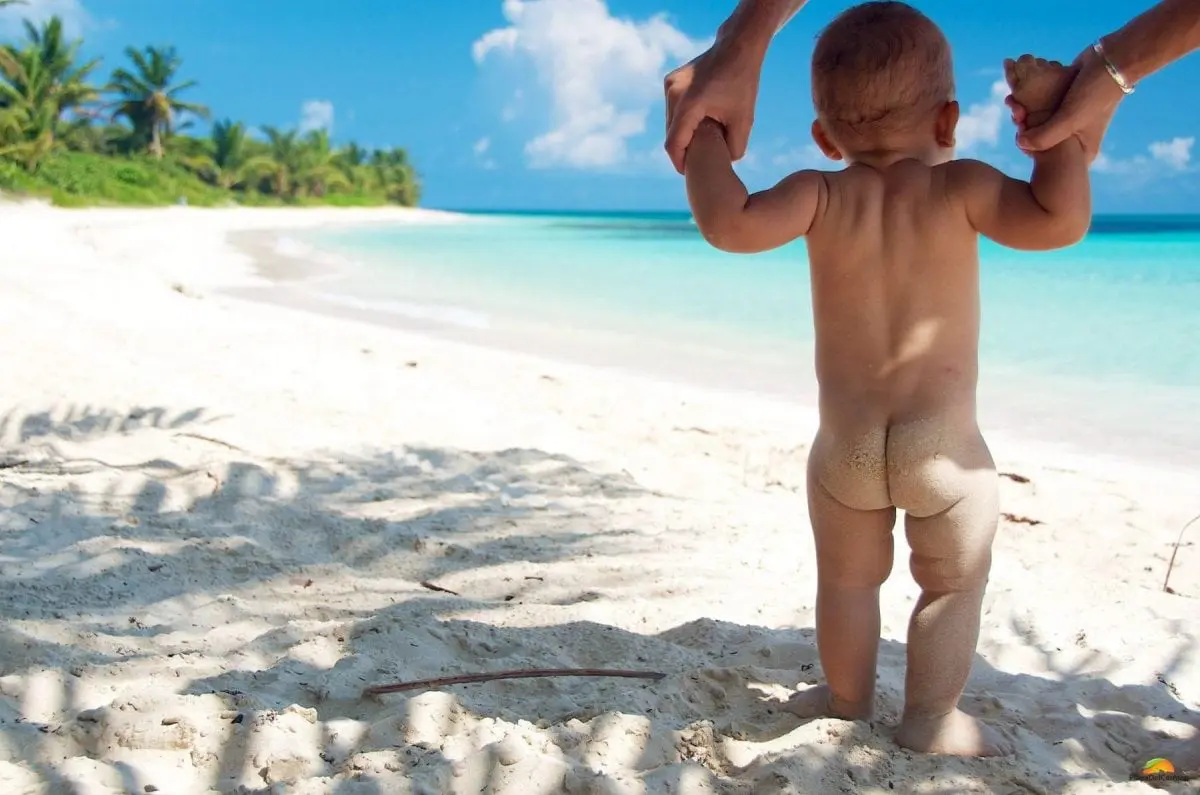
[(1155, 39), (1148, 43), (760, 19), (722, 82)]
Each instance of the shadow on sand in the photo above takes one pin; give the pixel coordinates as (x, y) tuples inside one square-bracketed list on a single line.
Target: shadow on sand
[(106, 565)]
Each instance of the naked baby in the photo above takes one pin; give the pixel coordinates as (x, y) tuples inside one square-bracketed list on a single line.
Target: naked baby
[(893, 248)]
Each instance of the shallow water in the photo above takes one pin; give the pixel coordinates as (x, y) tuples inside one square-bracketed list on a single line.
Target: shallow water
[(1094, 342)]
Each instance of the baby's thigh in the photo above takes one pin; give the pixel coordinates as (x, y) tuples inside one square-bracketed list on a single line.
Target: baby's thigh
[(855, 548), (952, 550)]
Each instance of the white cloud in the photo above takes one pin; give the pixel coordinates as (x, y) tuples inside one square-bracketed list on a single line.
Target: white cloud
[(316, 114), (603, 74), (808, 156), (513, 108), (1174, 155), (481, 148), (981, 123), (74, 16)]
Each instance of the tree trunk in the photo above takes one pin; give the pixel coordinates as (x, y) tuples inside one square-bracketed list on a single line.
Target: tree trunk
[(156, 147)]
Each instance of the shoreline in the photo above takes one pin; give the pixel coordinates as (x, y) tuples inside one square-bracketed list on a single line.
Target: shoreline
[(294, 282)]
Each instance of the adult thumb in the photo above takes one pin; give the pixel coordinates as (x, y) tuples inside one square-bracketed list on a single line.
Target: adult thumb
[(679, 134), (1051, 132), (737, 138)]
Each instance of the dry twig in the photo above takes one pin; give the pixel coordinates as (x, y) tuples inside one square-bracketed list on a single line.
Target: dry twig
[(210, 440), (1175, 551), (535, 673)]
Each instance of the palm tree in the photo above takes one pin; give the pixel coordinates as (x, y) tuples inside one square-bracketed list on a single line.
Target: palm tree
[(299, 166), (395, 175), (39, 83), (350, 159), (230, 161), (28, 115), (283, 163), (147, 97), (57, 57), (319, 172)]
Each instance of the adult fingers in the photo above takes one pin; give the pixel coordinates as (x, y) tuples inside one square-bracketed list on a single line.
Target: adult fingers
[(737, 137), (1017, 110), (683, 126), (674, 87), (1053, 131)]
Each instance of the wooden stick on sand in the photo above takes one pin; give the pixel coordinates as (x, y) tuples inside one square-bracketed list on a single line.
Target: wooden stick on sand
[(536, 673), (1174, 552)]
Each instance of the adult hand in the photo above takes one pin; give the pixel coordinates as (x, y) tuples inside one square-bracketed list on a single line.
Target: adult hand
[(722, 84), (1086, 110)]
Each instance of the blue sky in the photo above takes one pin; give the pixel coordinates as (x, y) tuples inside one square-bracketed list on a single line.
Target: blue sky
[(516, 104)]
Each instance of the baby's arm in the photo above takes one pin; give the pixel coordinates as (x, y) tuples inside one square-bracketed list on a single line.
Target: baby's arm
[(1052, 210), (732, 219)]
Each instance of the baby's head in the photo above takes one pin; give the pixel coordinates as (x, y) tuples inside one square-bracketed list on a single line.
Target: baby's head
[(883, 83)]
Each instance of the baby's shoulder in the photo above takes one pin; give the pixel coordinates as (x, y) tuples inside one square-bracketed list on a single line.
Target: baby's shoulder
[(963, 181), (965, 172)]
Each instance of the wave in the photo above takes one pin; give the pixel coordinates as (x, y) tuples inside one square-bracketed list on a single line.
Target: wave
[(448, 315), (292, 248)]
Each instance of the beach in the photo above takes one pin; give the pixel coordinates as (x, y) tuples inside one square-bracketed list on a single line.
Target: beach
[(225, 517)]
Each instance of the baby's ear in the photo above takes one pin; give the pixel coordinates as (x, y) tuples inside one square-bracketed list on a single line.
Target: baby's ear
[(823, 141), (947, 124)]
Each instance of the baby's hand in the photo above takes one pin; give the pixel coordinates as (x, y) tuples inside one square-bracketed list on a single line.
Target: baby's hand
[(1038, 86)]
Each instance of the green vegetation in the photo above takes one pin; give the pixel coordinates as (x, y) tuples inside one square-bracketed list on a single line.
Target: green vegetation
[(66, 138)]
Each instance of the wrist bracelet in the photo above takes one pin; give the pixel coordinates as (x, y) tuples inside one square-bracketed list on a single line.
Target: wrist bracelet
[(1113, 71)]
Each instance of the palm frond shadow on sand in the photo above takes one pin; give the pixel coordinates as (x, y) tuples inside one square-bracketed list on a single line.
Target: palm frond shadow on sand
[(204, 529)]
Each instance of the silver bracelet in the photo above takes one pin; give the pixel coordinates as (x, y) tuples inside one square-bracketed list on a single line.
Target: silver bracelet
[(1125, 86)]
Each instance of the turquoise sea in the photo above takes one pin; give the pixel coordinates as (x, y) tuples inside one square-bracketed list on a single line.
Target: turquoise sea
[(1095, 346)]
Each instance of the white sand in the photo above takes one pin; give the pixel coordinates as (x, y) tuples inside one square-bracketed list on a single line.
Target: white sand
[(216, 518)]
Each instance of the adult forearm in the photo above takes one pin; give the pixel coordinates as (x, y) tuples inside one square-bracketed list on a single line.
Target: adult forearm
[(1151, 41), (755, 22)]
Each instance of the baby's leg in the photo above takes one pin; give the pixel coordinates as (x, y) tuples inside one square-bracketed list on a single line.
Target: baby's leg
[(854, 558), (951, 557)]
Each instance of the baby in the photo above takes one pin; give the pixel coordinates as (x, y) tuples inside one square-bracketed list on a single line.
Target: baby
[(893, 246)]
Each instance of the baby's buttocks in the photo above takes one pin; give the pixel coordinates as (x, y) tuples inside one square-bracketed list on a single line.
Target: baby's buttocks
[(934, 463), (853, 467), (922, 467)]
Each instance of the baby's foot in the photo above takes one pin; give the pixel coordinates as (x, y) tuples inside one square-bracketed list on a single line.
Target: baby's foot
[(1038, 86), (956, 734), (816, 702)]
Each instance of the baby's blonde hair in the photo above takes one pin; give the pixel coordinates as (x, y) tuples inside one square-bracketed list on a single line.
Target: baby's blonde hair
[(878, 69)]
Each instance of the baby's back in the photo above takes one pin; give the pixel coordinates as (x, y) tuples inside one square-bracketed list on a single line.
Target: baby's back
[(895, 287)]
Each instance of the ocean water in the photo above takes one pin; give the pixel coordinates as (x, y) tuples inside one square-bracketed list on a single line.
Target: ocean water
[(1099, 341)]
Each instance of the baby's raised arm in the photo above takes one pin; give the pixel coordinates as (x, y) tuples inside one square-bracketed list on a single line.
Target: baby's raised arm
[(732, 219), (1052, 210)]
